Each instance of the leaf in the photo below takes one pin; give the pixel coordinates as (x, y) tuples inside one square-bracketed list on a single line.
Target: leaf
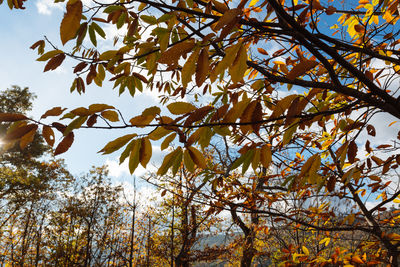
[(197, 115), (18, 132), (282, 106), (92, 35), (265, 156), (202, 67), (54, 63), (239, 65), (301, 68), (56, 111), (98, 29), (65, 144), (117, 144), (11, 117), (75, 124), (172, 55), (141, 121), (71, 21), (27, 138), (158, 133), (229, 16), (48, 135), (167, 141), (230, 56), (352, 151), (190, 67), (306, 166), (178, 108), (357, 259), (49, 55), (197, 157), (99, 107), (92, 120), (134, 157), (168, 161), (305, 250), (189, 164), (145, 152), (110, 115), (371, 130)]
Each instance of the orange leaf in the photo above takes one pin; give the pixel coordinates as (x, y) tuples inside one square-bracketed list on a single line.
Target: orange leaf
[(301, 68), (71, 21), (65, 144)]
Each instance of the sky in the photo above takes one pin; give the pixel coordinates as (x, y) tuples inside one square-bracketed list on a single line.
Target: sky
[(18, 65)]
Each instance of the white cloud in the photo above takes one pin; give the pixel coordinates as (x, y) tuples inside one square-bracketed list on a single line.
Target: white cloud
[(46, 7), (117, 170)]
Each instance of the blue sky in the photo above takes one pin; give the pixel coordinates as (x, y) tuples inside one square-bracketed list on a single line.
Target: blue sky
[(19, 30)]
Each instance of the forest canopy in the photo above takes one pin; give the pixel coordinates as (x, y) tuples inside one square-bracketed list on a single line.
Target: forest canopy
[(271, 110)]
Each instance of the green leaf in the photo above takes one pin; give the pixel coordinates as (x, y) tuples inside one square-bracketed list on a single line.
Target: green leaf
[(92, 35), (98, 29)]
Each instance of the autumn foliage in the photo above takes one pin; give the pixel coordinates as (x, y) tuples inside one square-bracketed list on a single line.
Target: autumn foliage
[(289, 98)]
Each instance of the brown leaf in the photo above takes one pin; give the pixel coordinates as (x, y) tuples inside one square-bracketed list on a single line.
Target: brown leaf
[(65, 144), (48, 135), (10, 117), (54, 62), (301, 68), (371, 130), (331, 183), (60, 127), (92, 120), (71, 21), (368, 147), (80, 67), (56, 111), (220, 112), (257, 116), (352, 151), (197, 115)]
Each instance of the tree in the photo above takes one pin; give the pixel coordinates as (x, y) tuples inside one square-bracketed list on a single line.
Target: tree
[(295, 83)]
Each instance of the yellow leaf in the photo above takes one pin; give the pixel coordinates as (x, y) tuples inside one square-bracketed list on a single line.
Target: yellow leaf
[(134, 156), (168, 161), (117, 144), (141, 121), (167, 141), (189, 164), (190, 67), (71, 21), (301, 68), (27, 138), (228, 59), (239, 66), (253, 3), (282, 106), (197, 157), (305, 250), (265, 156), (228, 17), (202, 67), (110, 115), (158, 133), (50, 54), (396, 200), (178, 108), (99, 107), (172, 55), (145, 152)]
